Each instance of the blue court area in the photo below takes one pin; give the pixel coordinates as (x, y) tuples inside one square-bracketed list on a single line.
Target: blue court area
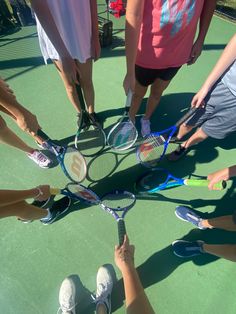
[(36, 258)]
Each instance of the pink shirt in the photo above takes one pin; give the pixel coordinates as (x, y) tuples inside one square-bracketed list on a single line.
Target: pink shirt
[(167, 32)]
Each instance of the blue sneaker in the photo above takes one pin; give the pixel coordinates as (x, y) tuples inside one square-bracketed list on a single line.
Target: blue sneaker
[(58, 208), (187, 249), (186, 214)]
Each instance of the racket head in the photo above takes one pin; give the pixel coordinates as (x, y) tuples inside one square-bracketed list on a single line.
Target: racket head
[(156, 180), (90, 141), (73, 164), (122, 136), (80, 192), (118, 200)]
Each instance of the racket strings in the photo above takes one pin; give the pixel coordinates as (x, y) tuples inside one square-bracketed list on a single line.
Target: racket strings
[(118, 201), (152, 148), (123, 136), (75, 164)]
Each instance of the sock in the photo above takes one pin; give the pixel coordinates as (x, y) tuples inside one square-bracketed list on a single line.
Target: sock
[(49, 215)]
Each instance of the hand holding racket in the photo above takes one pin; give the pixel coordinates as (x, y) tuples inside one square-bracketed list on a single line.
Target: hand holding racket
[(124, 134), (160, 179), (112, 202), (90, 138), (70, 159), (155, 144)]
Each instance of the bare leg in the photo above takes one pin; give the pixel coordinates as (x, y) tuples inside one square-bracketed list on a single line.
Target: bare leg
[(23, 210), (197, 137), (101, 309), (7, 136), (86, 71), (227, 251), (183, 130), (222, 222), (157, 89), (137, 98)]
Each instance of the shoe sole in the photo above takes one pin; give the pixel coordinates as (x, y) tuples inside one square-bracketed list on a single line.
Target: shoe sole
[(58, 215)]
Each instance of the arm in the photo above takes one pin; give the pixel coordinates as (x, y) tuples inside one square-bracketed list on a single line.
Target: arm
[(9, 104), (223, 174), (226, 59), (136, 299), (134, 15), (205, 20), (41, 193), (46, 19)]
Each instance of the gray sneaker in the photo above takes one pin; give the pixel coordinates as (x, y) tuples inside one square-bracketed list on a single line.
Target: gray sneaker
[(104, 288), (145, 127), (40, 159), (67, 297)]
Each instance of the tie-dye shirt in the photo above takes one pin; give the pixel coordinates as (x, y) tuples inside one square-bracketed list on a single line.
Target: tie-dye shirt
[(167, 32)]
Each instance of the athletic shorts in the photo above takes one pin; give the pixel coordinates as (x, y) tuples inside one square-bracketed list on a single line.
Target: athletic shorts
[(218, 118), (146, 76)]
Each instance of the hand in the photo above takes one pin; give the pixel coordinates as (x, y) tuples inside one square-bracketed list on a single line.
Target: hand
[(129, 83), (198, 99), (195, 52), (45, 190), (124, 255), (217, 176), (28, 122)]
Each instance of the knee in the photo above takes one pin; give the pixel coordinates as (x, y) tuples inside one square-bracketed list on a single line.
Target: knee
[(70, 88)]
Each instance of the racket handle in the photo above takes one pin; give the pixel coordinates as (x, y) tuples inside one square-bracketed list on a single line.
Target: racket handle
[(55, 191), (221, 185), (43, 135), (128, 99), (186, 116), (121, 231)]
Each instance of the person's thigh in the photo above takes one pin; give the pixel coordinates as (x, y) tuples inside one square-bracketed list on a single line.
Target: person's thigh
[(85, 70)]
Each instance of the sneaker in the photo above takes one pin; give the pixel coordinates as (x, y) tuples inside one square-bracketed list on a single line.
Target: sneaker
[(95, 120), (58, 208), (67, 297), (178, 153), (186, 214), (145, 127), (187, 249), (104, 288), (40, 159)]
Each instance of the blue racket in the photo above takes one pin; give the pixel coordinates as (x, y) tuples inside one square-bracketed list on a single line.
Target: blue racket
[(156, 144), (112, 202), (160, 179), (70, 159)]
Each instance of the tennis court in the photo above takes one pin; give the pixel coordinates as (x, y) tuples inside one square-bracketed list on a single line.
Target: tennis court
[(36, 258)]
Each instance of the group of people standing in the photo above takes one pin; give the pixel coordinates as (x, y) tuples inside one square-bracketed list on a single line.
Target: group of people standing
[(160, 37)]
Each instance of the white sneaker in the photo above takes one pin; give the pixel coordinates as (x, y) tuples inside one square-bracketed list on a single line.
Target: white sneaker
[(104, 288), (40, 159), (67, 297), (145, 127)]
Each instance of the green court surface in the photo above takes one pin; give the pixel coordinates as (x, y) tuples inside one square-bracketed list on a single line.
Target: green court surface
[(36, 258)]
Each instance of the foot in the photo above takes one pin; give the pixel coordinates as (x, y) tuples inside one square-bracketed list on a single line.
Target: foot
[(177, 154), (67, 297), (40, 159), (145, 127), (104, 288), (95, 120), (186, 214), (58, 208), (187, 249)]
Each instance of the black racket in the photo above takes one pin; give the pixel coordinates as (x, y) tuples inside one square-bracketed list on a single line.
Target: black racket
[(90, 138), (70, 159)]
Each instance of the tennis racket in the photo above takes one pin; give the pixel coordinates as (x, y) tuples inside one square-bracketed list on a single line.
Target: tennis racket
[(112, 202), (90, 139), (155, 145), (160, 179), (70, 159), (124, 134)]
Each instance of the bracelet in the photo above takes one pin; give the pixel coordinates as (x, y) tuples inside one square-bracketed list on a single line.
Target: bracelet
[(39, 193)]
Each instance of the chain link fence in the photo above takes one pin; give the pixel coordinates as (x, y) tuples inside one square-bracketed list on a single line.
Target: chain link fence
[(227, 9)]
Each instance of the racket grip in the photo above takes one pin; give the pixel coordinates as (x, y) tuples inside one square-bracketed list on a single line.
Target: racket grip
[(43, 135), (55, 191), (186, 116), (221, 185), (121, 231)]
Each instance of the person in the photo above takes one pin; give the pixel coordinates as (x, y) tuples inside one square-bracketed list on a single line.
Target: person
[(216, 100), (136, 299), (71, 41), (187, 249), (13, 203), (102, 297), (25, 120), (159, 38)]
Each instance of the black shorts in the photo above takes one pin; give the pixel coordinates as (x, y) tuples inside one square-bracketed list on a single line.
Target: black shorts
[(146, 76)]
